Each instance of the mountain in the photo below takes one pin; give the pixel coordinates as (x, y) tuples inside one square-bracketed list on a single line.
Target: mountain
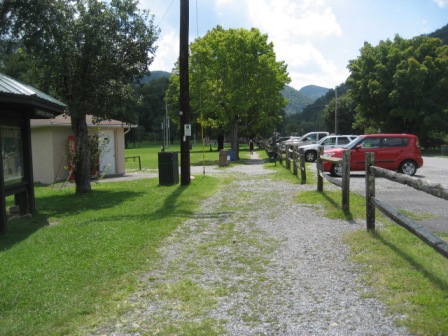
[(296, 100), (313, 91), (441, 33), (154, 75)]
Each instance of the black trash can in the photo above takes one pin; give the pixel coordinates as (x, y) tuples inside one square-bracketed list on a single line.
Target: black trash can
[(168, 168)]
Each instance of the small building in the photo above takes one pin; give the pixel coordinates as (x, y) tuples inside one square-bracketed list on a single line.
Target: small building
[(51, 139), (19, 103)]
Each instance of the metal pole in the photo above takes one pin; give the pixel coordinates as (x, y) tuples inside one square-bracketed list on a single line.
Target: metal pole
[(336, 131), (185, 177)]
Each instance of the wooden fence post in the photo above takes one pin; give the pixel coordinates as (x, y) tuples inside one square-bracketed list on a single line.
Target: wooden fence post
[(295, 156), (302, 165), (370, 192), (320, 179), (279, 154), (288, 156), (346, 181)]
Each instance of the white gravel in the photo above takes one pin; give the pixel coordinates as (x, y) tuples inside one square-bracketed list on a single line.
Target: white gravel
[(272, 265)]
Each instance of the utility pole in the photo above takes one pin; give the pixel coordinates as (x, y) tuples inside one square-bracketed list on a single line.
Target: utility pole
[(185, 127), (336, 130)]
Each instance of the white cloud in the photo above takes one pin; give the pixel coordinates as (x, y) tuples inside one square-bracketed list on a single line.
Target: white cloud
[(441, 3), (167, 52), (294, 27), (293, 18)]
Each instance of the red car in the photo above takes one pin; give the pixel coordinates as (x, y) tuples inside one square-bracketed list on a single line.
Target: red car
[(398, 152)]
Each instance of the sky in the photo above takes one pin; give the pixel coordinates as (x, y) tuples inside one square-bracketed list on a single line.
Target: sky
[(315, 38)]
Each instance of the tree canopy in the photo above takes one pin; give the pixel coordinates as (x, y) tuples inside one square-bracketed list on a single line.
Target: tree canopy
[(87, 53), (235, 82), (401, 86)]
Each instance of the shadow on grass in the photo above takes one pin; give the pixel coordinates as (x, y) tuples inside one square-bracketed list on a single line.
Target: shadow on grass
[(208, 163), (169, 206), (74, 203), (348, 216), (440, 283), (19, 229)]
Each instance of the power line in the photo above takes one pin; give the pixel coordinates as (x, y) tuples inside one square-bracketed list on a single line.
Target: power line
[(166, 12)]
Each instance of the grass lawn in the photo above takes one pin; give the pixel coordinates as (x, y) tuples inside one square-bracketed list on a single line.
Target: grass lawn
[(81, 254), (199, 155)]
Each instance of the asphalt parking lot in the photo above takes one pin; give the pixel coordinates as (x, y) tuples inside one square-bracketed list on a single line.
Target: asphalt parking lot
[(433, 210)]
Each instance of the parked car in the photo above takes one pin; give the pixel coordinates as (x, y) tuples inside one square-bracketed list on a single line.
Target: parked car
[(329, 142), (307, 139), (398, 152), (275, 141)]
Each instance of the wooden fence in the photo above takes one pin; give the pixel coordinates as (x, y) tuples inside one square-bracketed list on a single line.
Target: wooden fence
[(343, 183), (372, 202), (294, 157)]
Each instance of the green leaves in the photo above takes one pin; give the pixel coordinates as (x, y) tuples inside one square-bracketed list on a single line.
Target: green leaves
[(401, 85)]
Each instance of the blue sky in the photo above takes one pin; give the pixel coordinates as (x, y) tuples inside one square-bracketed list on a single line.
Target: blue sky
[(315, 38)]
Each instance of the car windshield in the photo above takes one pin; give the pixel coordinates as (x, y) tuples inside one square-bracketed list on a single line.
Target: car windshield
[(322, 140), (353, 143)]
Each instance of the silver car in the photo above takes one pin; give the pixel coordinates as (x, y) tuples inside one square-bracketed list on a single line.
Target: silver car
[(309, 138), (329, 142)]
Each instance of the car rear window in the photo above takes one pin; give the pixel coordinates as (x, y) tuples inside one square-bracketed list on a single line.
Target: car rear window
[(395, 142), (344, 141), (329, 141), (370, 143)]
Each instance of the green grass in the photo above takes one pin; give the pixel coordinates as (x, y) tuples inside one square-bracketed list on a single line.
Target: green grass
[(409, 276), (74, 261), (199, 156)]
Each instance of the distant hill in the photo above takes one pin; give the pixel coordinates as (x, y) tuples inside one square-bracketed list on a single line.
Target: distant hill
[(296, 100), (441, 33), (154, 75), (313, 91)]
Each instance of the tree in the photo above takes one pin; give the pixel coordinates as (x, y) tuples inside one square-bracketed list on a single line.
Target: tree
[(153, 108), (87, 53), (401, 85), (235, 82)]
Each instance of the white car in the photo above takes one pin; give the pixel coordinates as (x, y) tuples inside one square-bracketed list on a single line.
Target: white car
[(329, 142), (309, 138)]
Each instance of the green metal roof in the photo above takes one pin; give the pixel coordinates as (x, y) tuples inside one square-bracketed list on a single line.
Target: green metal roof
[(13, 91)]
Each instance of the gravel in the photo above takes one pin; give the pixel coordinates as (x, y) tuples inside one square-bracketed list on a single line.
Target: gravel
[(269, 265)]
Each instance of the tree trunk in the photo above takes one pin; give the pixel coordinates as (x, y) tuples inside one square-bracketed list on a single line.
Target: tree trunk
[(234, 140), (82, 156)]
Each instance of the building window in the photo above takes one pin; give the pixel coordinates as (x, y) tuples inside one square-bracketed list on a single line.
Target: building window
[(12, 154)]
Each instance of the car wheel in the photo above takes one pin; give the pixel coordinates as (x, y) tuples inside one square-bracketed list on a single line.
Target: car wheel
[(336, 170), (310, 156), (408, 167)]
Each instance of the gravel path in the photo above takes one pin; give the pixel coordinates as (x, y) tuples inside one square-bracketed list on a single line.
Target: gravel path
[(255, 269)]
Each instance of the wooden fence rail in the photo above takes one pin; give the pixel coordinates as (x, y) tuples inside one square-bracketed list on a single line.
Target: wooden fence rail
[(372, 202)]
